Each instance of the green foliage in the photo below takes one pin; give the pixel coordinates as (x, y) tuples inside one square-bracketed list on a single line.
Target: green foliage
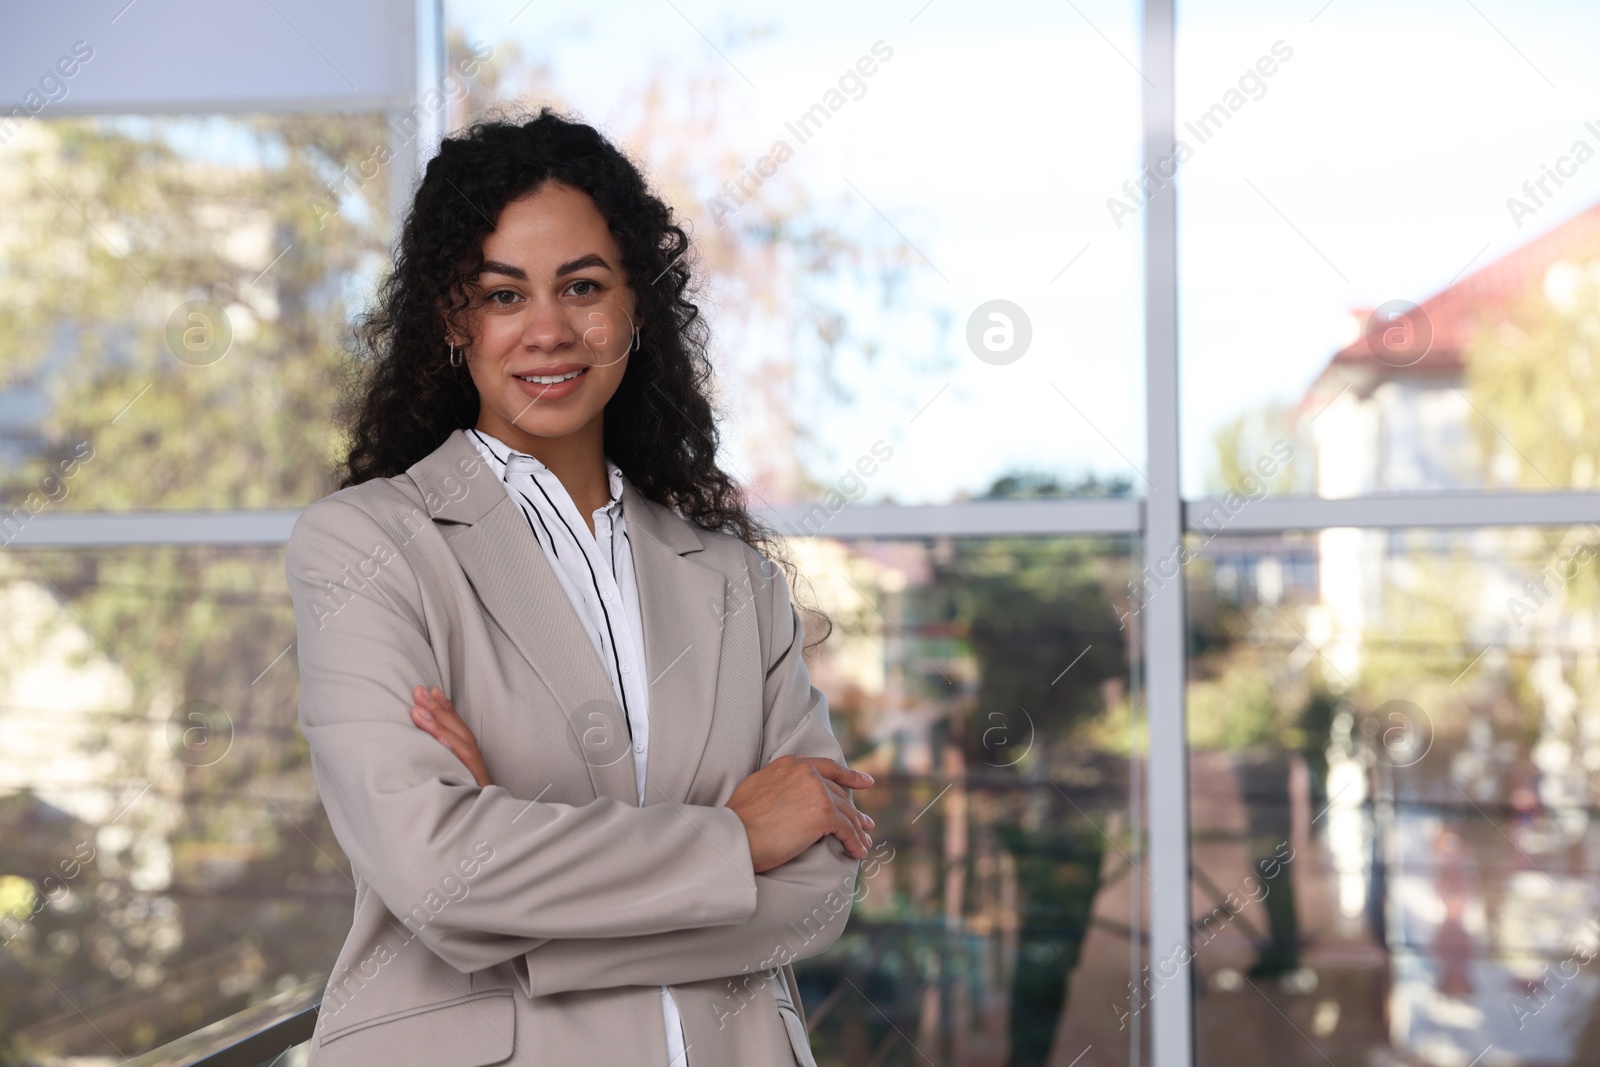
[(1030, 608), (112, 226), (1536, 380), (145, 228), (1035, 485), (1239, 706), (1242, 442)]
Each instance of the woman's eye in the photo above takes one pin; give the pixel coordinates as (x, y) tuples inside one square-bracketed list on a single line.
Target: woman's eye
[(499, 293), (594, 287)]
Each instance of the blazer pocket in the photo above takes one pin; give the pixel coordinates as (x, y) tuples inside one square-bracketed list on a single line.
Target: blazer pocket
[(799, 1040), (467, 1031)]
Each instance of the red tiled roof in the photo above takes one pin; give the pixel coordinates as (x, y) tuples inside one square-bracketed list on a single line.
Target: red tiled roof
[(1489, 295)]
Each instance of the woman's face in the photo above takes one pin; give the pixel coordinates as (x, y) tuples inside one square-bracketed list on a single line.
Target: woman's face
[(551, 303)]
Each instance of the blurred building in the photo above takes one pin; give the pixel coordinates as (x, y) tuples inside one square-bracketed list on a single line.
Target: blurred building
[(1469, 918), (1391, 413)]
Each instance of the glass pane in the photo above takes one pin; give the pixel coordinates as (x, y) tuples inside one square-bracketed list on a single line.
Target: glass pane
[(172, 295), (985, 685), (866, 194), (1396, 740), (1389, 226), (164, 860)]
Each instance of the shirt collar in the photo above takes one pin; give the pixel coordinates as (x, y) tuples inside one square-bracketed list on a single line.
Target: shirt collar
[(496, 448)]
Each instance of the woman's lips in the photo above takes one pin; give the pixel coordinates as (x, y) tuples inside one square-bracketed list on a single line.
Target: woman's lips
[(552, 392)]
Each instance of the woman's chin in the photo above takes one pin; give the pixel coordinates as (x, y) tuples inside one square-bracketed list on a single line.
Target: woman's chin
[(547, 424)]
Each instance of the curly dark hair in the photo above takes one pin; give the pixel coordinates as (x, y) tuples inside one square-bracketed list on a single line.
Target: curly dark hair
[(402, 398)]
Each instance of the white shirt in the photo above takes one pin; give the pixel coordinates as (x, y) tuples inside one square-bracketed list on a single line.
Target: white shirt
[(597, 573)]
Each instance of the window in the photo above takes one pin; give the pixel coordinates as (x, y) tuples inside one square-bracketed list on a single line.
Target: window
[(868, 194), (1389, 270), (1392, 783), (986, 684), (1185, 416), (175, 333)]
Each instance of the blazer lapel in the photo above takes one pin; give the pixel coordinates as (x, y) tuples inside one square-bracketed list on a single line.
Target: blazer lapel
[(512, 578), (683, 603)]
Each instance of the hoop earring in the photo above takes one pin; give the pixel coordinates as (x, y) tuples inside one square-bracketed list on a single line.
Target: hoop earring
[(635, 346), (454, 362)]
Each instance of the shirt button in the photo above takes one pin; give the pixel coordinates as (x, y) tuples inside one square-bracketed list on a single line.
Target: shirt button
[(606, 595), (625, 667), (638, 746)]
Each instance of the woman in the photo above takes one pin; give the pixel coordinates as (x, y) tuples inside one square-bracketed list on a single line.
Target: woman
[(552, 683)]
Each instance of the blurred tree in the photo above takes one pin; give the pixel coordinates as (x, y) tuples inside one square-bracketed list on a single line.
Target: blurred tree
[(1035, 485), (1041, 628), (1030, 608), (1535, 379), (120, 223), (1535, 376), (1243, 441)]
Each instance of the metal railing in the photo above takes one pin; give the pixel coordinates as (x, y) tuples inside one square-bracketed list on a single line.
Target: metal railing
[(253, 1037)]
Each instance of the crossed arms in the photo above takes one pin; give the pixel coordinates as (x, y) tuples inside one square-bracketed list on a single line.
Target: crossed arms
[(581, 896)]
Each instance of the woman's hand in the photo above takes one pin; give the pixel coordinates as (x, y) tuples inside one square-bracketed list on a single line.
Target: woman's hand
[(434, 713), (793, 802)]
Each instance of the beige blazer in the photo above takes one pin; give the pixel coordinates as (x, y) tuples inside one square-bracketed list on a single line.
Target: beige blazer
[(534, 920)]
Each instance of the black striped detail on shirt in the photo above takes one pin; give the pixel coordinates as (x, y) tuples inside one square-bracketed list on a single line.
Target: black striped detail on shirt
[(594, 580)]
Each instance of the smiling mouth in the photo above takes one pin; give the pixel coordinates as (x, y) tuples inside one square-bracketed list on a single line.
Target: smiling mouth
[(549, 379)]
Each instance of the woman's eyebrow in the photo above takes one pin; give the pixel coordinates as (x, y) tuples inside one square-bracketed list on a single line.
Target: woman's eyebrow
[(592, 259), (492, 266)]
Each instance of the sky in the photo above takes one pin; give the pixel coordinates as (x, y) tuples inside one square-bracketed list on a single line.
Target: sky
[(1376, 167), (1374, 163), (944, 157)]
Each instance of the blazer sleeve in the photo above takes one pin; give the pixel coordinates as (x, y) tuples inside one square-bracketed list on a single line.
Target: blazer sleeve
[(413, 821), (801, 906)]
